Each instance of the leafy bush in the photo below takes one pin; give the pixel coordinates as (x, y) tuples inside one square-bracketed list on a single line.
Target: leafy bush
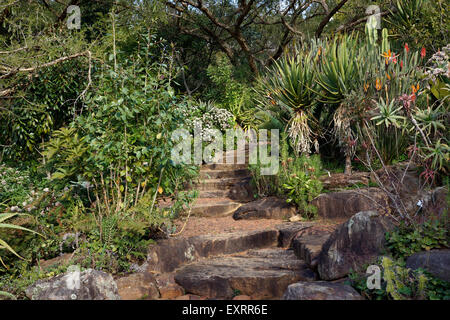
[(48, 102), (406, 240), (106, 170), (296, 181)]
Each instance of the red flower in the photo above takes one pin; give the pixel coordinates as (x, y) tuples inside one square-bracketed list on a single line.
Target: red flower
[(407, 101), (401, 64), (423, 52), (406, 47)]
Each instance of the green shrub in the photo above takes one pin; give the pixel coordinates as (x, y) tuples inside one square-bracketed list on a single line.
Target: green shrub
[(406, 240), (400, 283), (297, 180)]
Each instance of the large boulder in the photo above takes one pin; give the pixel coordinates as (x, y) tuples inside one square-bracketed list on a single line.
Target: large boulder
[(265, 208), (404, 181), (87, 285), (320, 290), (356, 242), (437, 262), (344, 204), (435, 202), (342, 180)]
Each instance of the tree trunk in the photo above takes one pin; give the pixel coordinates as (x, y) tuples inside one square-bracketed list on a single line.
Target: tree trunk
[(348, 164)]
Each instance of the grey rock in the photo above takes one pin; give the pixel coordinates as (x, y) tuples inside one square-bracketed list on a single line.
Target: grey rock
[(265, 208), (437, 262), (288, 231), (86, 285), (356, 242), (261, 274), (344, 204), (320, 290)]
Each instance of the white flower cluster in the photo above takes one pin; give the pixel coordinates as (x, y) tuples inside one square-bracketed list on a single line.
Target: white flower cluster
[(440, 65), (208, 119)]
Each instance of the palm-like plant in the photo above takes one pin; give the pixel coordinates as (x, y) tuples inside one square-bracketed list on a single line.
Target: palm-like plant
[(289, 86)]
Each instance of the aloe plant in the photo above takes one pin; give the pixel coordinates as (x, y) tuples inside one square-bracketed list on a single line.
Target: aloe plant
[(290, 86), (439, 154), (406, 14), (388, 114), (337, 74)]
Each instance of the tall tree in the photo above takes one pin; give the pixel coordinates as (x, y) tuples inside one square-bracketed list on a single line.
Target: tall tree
[(259, 29)]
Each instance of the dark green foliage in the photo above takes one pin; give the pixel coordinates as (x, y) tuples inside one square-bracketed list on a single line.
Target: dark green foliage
[(433, 288), (47, 102), (406, 240)]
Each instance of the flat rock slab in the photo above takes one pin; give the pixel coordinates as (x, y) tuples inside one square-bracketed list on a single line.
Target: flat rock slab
[(214, 207), (321, 290), (137, 286), (287, 232), (261, 274), (265, 208), (342, 180), (437, 262), (169, 254), (308, 243), (344, 204)]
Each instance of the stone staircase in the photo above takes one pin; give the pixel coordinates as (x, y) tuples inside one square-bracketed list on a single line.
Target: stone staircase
[(259, 264), (221, 187)]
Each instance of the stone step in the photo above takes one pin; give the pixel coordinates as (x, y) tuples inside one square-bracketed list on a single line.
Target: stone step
[(218, 174), (308, 243), (237, 194), (214, 207), (261, 274), (231, 157), (224, 166), (214, 184), (219, 193), (169, 254)]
